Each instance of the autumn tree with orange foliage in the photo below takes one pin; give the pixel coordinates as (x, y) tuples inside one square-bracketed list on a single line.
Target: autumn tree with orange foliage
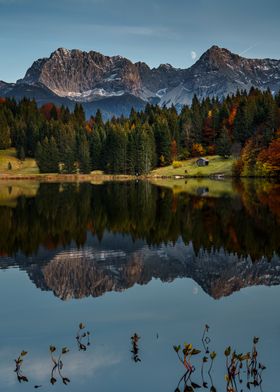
[(268, 159), (197, 150)]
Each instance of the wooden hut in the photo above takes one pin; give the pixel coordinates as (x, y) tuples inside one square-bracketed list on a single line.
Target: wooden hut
[(202, 162)]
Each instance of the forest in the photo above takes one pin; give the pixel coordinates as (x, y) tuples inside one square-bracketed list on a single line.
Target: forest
[(245, 125)]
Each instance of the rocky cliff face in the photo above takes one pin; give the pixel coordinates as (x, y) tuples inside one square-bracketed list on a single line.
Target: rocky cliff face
[(90, 77), (84, 76)]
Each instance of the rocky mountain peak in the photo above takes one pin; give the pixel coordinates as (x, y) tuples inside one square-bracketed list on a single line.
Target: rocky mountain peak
[(166, 67), (217, 58)]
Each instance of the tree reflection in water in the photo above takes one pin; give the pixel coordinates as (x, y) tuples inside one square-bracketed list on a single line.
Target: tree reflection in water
[(244, 222)]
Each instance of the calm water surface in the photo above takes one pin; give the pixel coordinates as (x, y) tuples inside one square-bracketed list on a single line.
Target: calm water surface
[(127, 258)]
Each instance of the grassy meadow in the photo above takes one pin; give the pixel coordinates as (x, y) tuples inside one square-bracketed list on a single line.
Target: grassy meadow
[(23, 168), (217, 165)]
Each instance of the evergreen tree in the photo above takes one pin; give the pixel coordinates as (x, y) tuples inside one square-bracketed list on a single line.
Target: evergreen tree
[(196, 119), (163, 141), (242, 127), (224, 144), (47, 156), (116, 150), (67, 149), (84, 154), (5, 135), (79, 114)]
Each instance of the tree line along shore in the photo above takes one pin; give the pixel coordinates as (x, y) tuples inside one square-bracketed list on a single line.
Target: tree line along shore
[(238, 137)]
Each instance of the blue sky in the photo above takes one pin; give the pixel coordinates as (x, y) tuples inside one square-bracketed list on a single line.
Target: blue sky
[(154, 31)]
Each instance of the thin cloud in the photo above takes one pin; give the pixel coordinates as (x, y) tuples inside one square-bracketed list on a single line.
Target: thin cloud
[(146, 31), (248, 49)]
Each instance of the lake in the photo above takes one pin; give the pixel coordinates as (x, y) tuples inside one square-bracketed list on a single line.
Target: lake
[(119, 273)]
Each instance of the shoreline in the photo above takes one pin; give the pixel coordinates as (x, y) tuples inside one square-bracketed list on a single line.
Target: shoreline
[(117, 177)]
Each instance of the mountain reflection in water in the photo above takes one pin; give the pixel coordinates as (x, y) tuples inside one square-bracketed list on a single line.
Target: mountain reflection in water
[(85, 240)]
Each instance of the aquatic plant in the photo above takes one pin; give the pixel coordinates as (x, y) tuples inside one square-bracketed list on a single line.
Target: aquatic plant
[(18, 369), (135, 349), (58, 365), (82, 338), (235, 363)]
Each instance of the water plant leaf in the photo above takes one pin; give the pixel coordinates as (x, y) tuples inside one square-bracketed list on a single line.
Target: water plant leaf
[(177, 348), (52, 349), (227, 351), (195, 351), (81, 326), (23, 353), (65, 380), (53, 380), (213, 355), (188, 346)]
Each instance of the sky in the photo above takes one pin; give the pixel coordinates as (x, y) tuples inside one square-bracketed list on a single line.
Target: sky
[(154, 31)]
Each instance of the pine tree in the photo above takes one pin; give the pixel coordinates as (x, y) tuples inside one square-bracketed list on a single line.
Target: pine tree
[(196, 120), (163, 141), (5, 136), (224, 144), (242, 129), (79, 114), (47, 156), (84, 154), (67, 149), (116, 150)]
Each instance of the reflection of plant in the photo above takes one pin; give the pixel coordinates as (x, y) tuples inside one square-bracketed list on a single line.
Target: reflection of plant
[(81, 336), (185, 356), (206, 339), (58, 365), (18, 370), (235, 364), (135, 349)]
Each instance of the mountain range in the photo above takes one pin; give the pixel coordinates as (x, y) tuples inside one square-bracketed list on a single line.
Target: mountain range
[(96, 270), (115, 84)]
